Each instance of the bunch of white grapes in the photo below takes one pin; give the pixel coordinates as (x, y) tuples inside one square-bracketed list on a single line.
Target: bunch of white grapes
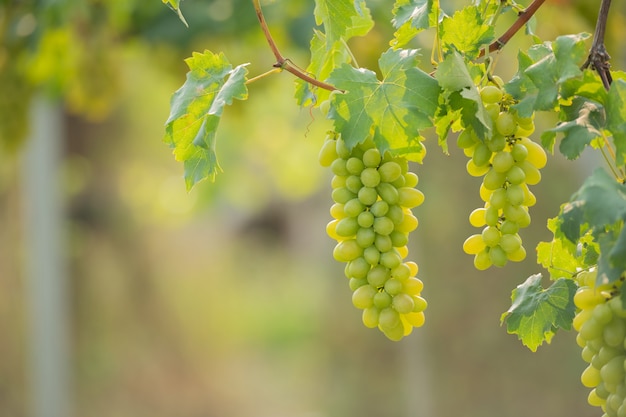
[(508, 162), (601, 326), (372, 219)]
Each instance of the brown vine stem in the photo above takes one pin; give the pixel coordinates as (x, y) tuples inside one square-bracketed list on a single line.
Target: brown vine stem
[(522, 19), (282, 62), (598, 58)]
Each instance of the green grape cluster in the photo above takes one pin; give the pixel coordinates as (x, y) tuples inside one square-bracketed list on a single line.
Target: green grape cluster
[(508, 163), (601, 326), (373, 195)]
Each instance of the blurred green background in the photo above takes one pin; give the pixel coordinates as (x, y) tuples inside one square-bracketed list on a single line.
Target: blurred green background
[(225, 301)]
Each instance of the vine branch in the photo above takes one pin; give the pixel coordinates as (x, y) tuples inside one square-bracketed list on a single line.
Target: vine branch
[(522, 19), (282, 62), (598, 58)]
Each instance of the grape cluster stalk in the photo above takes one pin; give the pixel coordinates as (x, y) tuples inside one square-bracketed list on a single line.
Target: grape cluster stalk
[(373, 196), (508, 163), (601, 326)]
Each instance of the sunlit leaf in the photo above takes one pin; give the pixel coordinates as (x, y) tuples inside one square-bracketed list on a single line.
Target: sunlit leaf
[(392, 110), (196, 110)]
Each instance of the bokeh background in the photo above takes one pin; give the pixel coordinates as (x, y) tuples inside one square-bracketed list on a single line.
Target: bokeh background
[(225, 301)]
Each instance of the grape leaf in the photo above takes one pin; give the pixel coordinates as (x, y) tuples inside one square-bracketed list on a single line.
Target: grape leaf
[(460, 90), (599, 206), (547, 67), (559, 255), (196, 109), (599, 202), (537, 313), (616, 118), (410, 17), (466, 31), (175, 5), (392, 110), (324, 60), (343, 19), (584, 122)]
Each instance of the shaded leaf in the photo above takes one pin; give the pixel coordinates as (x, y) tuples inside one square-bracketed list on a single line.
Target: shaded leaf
[(196, 109)]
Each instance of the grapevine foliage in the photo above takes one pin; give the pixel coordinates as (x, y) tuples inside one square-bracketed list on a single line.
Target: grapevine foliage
[(408, 101)]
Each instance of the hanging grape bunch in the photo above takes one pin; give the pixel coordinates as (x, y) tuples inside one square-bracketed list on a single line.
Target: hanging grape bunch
[(373, 196), (508, 162), (601, 326)]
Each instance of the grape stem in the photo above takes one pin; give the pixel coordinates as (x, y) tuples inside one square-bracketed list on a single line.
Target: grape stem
[(598, 58), (522, 19), (282, 62)]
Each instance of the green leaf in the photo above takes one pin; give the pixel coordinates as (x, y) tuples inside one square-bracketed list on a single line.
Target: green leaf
[(584, 122), (600, 202), (466, 32), (343, 19), (559, 256), (392, 110), (175, 5), (324, 60), (551, 64), (196, 109), (410, 17), (616, 118), (536, 313), (459, 88)]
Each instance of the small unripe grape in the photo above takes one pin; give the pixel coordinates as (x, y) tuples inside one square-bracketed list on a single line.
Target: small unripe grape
[(370, 317), (388, 193), (370, 177), (466, 139), (474, 244), (410, 179), (402, 303), (410, 197), (497, 143), (367, 196), (371, 158), (477, 217), (347, 227), (383, 243), (365, 237), (389, 171), (498, 198), (503, 161), (491, 236), (354, 166), (505, 124), (474, 170), (328, 153), (347, 250), (482, 260), (382, 299), (365, 219), (481, 156), (516, 175), (341, 149), (498, 256), (490, 94), (515, 195), (519, 152), (353, 208), (353, 183), (494, 180), (377, 276), (383, 225), (342, 195), (363, 297)]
